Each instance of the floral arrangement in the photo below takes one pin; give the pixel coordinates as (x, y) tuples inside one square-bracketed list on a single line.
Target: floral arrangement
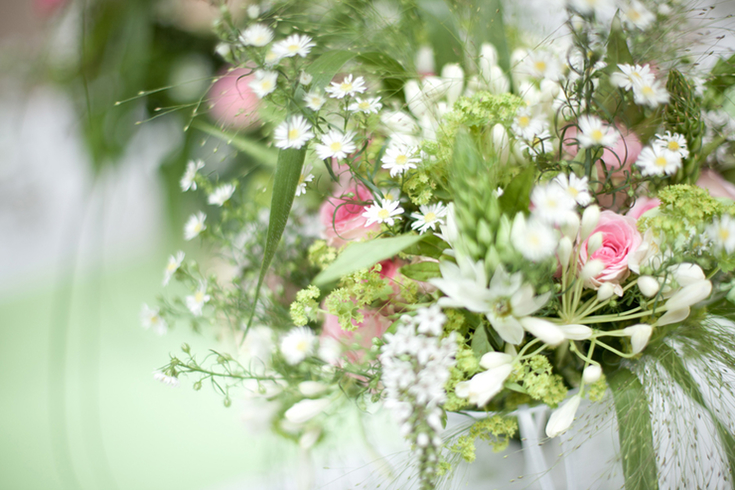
[(539, 223)]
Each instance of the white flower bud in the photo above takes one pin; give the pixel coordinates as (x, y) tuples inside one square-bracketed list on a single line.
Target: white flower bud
[(312, 388), (570, 226), (575, 331), (498, 83), (639, 336), (689, 295), (590, 218), (485, 385), (306, 410), (425, 60), (501, 143), (309, 438), (253, 11), (488, 59), (305, 78), (605, 291), (494, 359), (564, 251), (591, 374), (548, 332), (561, 418), (453, 76), (433, 88), (591, 269), (686, 273), (594, 243), (673, 316), (414, 98), (648, 286)]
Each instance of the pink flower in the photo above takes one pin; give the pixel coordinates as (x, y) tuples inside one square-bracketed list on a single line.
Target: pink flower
[(357, 341), (642, 204), (342, 217), (47, 7), (620, 238), (232, 101), (618, 157), (716, 184)]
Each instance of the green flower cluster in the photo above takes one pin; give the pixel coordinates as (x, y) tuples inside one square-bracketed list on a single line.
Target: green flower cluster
[(358, 290), (321, 255), (535, 377), (305, 307), (496, 430)]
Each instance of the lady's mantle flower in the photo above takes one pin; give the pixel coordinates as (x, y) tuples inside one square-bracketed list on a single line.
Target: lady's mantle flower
[(221, 194), (305, 177), (151, 318), (675, 143), (576, 187), (188, 180), (336, 145), (722, 233), (256, 35), (429, 217), (196, 301), (293, 133), (314, 100), (194, 225), (298, 344), (174, 262), (654, 160), (398, 158), (367, 106), (347, 86), (264, 82), (385, 212), (293, 45), (593, 132)]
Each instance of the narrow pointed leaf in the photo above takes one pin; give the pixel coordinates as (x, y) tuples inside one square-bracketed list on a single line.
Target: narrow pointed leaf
[(249, 147), (421, 271)]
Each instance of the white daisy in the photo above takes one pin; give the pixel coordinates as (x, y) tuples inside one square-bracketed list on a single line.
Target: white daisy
[(655, 160), (314, 100), (256, 35), (188, 180), (552, 204), (533, 239), (264, 82), (651, 94), (298, 344), (526, 126), (367, 106), (195, 302), (172, 381), (385, 212), (575, 187), (293, 45), (221, 194), (392, 194), (722, 233), (399, 158), (543, 65), (538, 144), (294, 133), (305, 177), (593, 132), (347, 86), (336, 145), (631, 75), (194, 225), (151, 318), (676, 143), (637, 15), (174, 262), (429, 217), (271, 58)]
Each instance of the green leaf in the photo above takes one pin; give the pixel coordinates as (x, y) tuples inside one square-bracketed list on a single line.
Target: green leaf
[(431, 246), (285, 181), (325, 67), (480, 343), (517, 195), (442, 29), (254, 149), (421, 271), (617, 45), (634, 430), (363, 255)]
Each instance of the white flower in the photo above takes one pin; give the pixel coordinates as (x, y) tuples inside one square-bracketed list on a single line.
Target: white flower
[(429, 217), (314, 100), (464, 284), (271, 58), (305, 78), (196, 301), (575, 187), (485, 385), (298, 344), (305, 177), (651, 94), (392, 194), (654, 160), (194, 225), (675, 143), (593, 132), (533, 239), (590, 218), (453, 76), (347, 86), (174, 262), (602, 9), (294, 133), (689, 295), (312, 388), (575, 331), (648, 286), (367, 106), (399, 122), (561, 418), (552, 204), (264, 82), (526, 126), (306, 410), (253, 11), (336, 145), (673, 316), (221, 194), (188, 179), (293, 45), (543, 64), (398, 158), (430, 320), (639, 336), (544, 330), (256, 35), (151, 318), (591, 374), (722, 233), (637, 15), (385, 212), (165, 379)]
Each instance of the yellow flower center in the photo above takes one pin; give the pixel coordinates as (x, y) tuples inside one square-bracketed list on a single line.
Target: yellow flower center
[(199, 296), (661, 161), (171, 266), (389, 196), (197, 228), (401, 159), (524, 121), (302, 346), (336, 146), (574, 192), (724, 234), (293, 48), (364, 105), (346, 87), (597, 135), (293, 134), (540, 65), (673, 145), (634, 15), (647, 90), (429, 217), (383, 214)]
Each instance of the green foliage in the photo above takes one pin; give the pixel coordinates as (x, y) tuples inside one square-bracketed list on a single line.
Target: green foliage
[(358, 290), (496, 430), (305, 307), (617, 45), (683, 115), (537, 380), (596, 391), (321, 255), (421, 271)]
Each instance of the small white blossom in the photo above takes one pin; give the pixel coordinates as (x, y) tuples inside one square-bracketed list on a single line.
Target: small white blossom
[(722, 233), (543, 64), (371, 105), (305, 78), (385, 212), (195, 302), (294, 133), (575, 187), (651, 94), (335, 144), (392, 194), (675, 143), (552, 204), (639, 336), (430, 320), (305, 177), (637, 15), (151, 318), (221, 194), (293, 45), (593, 132), (561, 418), (298, 344), (271, 58), (314, 100), (654, 160), (174, 262), (165, 379), (398, 158), (256, 35), (347, 87), (429, 218), (194, 225), (526, 126), (533, 239), (264, 82), (188, 180)]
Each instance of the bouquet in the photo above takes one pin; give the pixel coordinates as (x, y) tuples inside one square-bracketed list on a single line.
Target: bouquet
[(465, 218)]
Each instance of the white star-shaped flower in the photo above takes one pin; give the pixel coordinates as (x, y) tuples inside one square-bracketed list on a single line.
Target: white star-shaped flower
[(293, 45), (314, 100), (256, 35), (188, 180), (151, 318), (575, 186), (552, 204), (655, 160), (722, 233), (264, 82), (298, 344), (221, 194), (194, 225), (195, 302), (294, 133), (398, 158), (385, 212), (593, 132), (675, 143), (347, 87), (651, 94), (305, 177), (174, 262), (631, 75), (335, 144), (367, 106), (533, 239), (429, 218)]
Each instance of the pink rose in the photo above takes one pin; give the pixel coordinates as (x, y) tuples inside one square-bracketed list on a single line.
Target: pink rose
[(642, 204), (618, 157), (342, 217), (232, 101), (620, 238), (359, 340), (716, 184)]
